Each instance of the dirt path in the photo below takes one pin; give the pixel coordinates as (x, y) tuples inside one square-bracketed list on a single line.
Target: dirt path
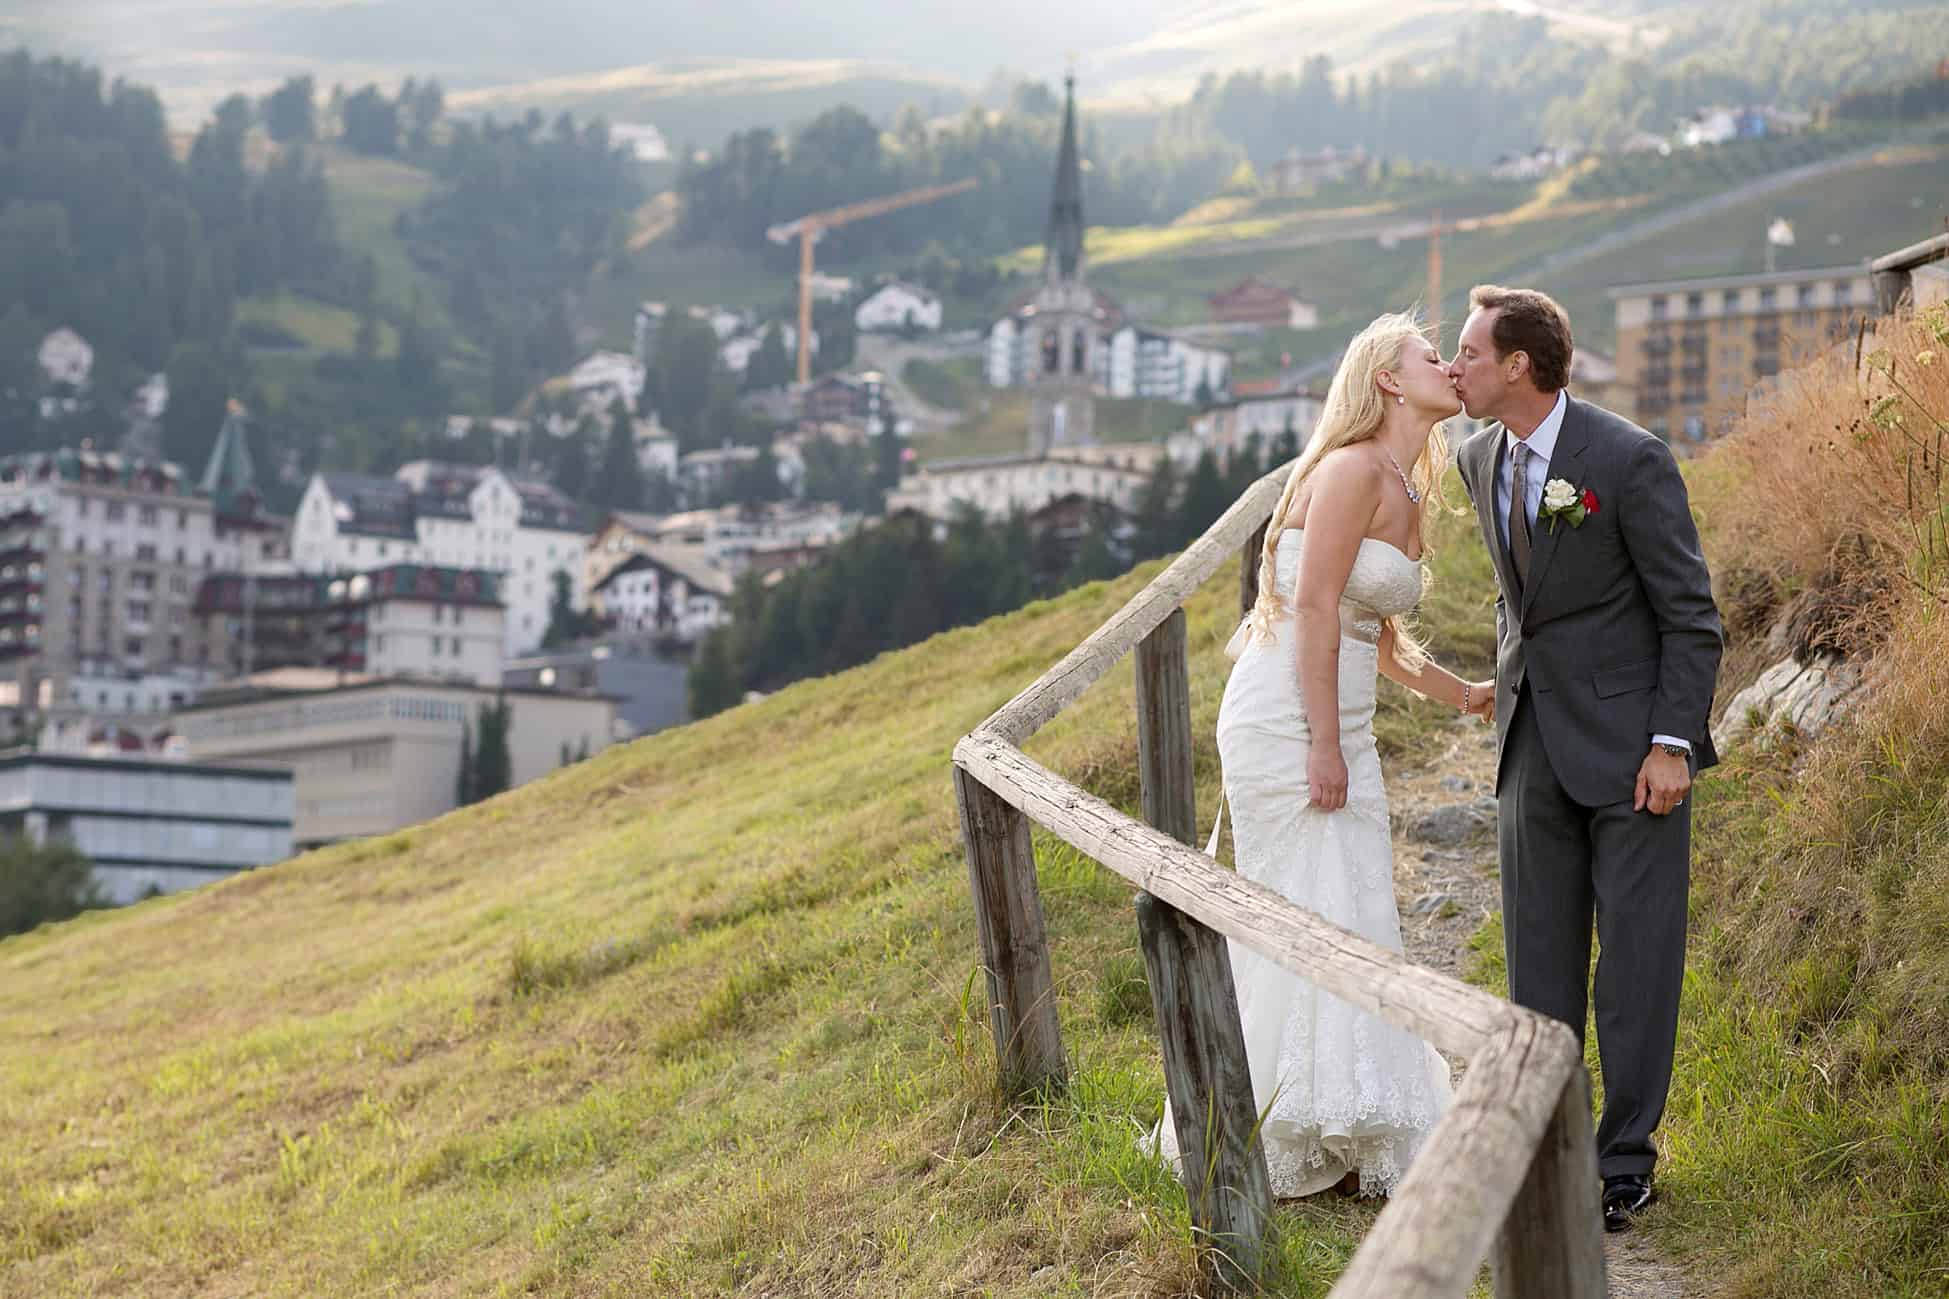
[(1446, 883)]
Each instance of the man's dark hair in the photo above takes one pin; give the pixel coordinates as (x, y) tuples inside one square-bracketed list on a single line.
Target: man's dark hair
[(1530, 322)]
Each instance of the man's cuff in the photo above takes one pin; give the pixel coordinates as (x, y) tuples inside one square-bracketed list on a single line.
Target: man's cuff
[(1672, 739)]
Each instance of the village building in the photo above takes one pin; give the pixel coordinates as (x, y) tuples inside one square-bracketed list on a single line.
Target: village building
[(896, 308), (1256, 300), (405, 620), (1301, 172), (449, 516), (668, 591), (1691, 350), (100, 558), (149, 825), (370, 755)]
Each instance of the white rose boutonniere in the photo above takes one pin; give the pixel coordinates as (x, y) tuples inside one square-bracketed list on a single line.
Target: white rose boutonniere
[(1562, 501)]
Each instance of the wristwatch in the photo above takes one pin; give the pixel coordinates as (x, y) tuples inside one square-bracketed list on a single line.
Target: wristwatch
[(1676, 750)]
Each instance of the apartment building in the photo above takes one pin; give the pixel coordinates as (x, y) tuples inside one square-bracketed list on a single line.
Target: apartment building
[(1692, 349), (450, 516), (409, 620), (373, 754), (100, 558)]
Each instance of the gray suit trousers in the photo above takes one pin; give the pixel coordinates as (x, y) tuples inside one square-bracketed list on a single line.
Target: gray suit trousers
[(1562, 860)]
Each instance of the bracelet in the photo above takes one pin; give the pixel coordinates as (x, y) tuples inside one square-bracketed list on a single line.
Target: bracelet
[(1466, 688)]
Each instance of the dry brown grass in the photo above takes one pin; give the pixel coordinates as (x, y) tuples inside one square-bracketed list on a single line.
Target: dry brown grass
[(1830, 503), (1813, 1073)]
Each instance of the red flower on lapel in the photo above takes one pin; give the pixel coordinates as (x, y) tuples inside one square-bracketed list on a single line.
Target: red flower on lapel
[(1590, 501)]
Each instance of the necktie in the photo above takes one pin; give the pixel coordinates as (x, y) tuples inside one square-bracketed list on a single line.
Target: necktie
[(1519, 514)]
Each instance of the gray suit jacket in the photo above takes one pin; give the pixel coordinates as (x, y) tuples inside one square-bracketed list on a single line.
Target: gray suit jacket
[(1616, 632)]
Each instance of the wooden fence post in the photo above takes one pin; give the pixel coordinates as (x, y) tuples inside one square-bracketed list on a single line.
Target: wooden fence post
[(1206, 1074), (1248, 569), (1551, 1246), (1014, 939)]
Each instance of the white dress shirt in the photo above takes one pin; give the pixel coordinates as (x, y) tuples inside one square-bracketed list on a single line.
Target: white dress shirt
[(1542, 445)]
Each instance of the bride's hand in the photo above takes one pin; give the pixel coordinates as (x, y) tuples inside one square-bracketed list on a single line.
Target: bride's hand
[(1482, 699), (1326, 778)]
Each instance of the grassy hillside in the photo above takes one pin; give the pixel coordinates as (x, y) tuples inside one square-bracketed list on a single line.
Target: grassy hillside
[(691, 1017)]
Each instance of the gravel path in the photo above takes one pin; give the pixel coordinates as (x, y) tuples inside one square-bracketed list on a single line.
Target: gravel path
[(1446, 883)]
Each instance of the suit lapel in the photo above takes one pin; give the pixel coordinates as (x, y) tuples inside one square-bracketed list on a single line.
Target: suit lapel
[(1565, 462), (1487, 472)]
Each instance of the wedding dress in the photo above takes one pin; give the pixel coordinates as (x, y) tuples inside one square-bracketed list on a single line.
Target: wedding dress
[(1339, 1090)]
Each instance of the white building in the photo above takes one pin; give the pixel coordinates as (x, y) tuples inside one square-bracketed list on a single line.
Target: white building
[(1129, 361), (898, 306), (149, 824), (656, 447), (997, 486), (1139, 362), (1228, 426), (454, 516), (668, 590), (374, 755), (66, 357), (599, 378), (736, 352), (729, 538)]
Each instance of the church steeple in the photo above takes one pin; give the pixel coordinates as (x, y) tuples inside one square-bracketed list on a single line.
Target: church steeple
[(1065, 325), (1063, 246), (229, 480)]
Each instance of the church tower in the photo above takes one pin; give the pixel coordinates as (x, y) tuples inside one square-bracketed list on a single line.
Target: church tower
[(1061, 323)]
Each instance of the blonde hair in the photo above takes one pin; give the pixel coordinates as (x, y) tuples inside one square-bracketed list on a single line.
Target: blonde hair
[(1355, 410)]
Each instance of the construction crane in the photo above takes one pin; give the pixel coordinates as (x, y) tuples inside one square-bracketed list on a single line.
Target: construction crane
[(809, 229)]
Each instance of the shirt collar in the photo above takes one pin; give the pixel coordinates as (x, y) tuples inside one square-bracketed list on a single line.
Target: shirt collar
[(1542, 443)]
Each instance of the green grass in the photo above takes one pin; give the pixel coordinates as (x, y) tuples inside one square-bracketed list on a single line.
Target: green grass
[(368, 195), (951, 385), (321, 327), (692, 1017)]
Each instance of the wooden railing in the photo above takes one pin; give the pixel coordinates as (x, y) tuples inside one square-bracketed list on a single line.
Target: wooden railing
[(1509, 1173)]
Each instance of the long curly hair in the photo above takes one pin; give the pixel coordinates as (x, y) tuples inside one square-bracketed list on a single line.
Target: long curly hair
[(1355, 410)]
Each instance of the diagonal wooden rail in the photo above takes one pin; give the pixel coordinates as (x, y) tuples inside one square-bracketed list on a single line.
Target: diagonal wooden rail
[(1510, 1172)]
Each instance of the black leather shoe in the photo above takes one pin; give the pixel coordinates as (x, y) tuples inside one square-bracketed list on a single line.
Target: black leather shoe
[(1626, 1195)]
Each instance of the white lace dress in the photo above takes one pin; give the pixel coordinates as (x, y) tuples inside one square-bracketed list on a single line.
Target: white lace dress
[(1339, 1089)]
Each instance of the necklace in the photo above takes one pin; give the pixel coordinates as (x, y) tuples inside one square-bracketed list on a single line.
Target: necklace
[(1414, 497)]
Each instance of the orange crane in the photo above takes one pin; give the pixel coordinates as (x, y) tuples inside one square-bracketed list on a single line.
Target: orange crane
[(808, 230)]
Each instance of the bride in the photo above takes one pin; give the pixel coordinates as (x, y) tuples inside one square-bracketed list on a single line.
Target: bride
[(1346, 1099)]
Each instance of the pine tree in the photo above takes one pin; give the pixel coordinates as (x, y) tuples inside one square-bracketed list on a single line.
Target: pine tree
[(621, 483), (1157, 524), (465, 782), (712, 685), (1205, 498), (1095, 561), (494, 759)]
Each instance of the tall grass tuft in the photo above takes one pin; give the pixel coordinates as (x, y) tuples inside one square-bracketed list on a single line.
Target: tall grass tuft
[(1812, 1086)]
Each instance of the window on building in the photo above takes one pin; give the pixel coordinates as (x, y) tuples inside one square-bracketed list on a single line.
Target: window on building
[(182, 520), (1843, 292), (133, 646), (1658, 307), (146, 516), (116, 512), (1769, 298), (146, 553), (1804, 295), (1694, 304)]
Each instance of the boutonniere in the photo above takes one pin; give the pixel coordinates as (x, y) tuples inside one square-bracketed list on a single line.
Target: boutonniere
[(1562, 501)]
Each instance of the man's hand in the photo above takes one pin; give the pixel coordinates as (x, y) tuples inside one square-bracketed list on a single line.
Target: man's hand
[(1482, 699), (1663, 781)]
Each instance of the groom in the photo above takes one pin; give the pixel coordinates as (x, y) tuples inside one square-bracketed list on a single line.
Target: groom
[(1607, 648)]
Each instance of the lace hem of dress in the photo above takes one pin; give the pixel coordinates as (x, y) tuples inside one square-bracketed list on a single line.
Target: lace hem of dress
[(1303, 1157)]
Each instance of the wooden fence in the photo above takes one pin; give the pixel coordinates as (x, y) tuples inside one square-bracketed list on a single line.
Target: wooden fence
[(1510, 1172)]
